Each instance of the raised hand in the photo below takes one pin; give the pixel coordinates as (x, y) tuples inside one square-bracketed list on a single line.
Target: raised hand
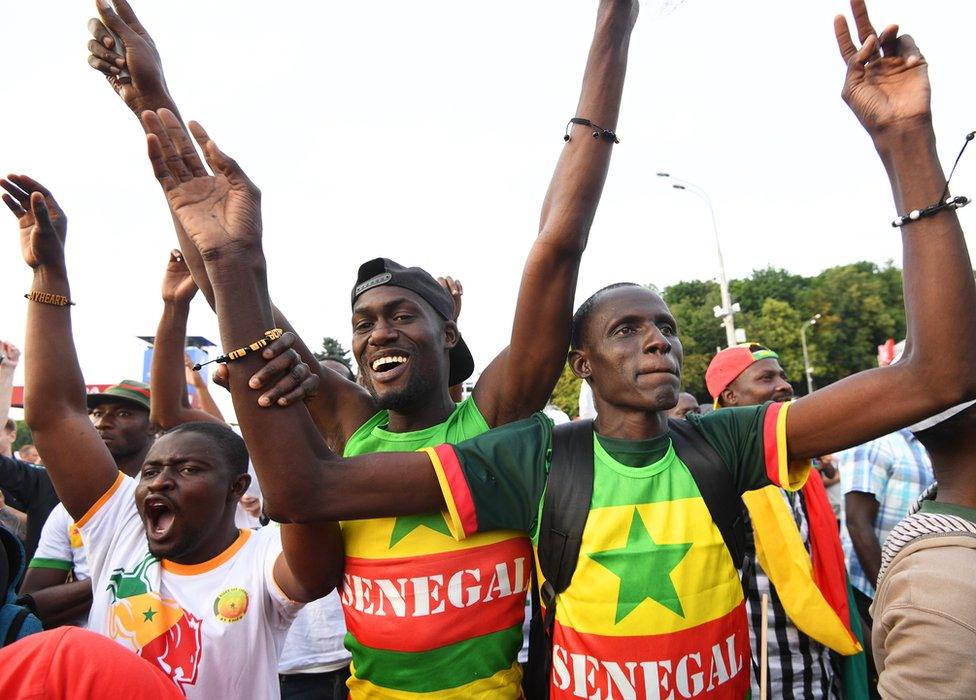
[(454, 288), (145, 85), (178, 285), (43, 226), (887, 80), (219, 211), (9, 354)]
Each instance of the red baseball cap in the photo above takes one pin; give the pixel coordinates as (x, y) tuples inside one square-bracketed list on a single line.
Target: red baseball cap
[(730, 363)]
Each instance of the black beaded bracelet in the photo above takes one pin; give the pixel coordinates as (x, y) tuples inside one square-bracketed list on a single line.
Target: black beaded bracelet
[(945, 203), (599, 131)]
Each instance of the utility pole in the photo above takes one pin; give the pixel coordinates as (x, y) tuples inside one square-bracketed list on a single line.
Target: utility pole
[(808, 370), (727, 310)]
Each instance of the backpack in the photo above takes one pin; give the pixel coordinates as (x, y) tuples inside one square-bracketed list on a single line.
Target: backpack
[(16, 621), (566, 505)]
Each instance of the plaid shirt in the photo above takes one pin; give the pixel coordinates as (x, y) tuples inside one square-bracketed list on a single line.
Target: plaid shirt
[(895, 469)]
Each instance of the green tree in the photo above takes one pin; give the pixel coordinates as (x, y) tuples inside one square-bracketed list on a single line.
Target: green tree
[(691, 304), (332, 350), (861, 306), (566, 394)]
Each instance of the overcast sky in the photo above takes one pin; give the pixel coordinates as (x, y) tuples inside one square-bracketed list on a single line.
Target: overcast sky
[(427, 132)]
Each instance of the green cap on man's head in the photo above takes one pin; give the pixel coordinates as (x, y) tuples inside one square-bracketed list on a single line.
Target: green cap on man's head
[(126, 390)]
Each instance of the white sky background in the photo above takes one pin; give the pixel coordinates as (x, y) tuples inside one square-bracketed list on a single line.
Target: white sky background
[(427, 132)]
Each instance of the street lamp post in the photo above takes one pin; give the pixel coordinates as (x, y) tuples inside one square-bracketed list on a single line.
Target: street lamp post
[(806, 356), (727, 310)]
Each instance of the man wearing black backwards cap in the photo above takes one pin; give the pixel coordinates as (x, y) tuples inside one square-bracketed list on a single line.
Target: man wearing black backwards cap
[(425, 614)]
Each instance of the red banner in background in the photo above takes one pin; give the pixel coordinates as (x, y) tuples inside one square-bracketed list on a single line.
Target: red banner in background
[(18, 395)]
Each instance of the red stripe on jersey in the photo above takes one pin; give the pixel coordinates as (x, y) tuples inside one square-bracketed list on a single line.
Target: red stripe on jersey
[(425, 602), (459, 488), (771, 443), (711, 660)]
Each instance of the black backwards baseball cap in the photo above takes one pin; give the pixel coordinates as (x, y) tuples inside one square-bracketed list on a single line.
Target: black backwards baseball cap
[(383, 271)]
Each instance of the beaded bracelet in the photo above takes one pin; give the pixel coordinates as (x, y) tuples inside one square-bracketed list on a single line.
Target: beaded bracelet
[(945, 203), (273, 334), (48, 298), (599, 131)]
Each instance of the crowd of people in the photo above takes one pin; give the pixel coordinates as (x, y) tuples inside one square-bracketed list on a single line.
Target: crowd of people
[(384, 534)]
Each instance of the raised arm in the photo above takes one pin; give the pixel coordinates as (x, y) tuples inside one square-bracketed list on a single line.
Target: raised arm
[(889, 94), (340, 406), (520, 380), (168, 375), (222, 215), (75, 456), (196, 380), (9, 357)]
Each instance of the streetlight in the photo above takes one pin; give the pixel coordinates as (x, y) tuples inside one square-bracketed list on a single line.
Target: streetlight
[(727, 310), (806, 357)]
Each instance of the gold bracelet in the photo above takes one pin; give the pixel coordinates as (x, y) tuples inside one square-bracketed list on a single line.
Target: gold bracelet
[(269, 336), (48, 298)]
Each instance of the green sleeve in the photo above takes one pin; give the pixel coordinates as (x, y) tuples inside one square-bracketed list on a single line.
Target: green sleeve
[(737, 435), (496, 480)]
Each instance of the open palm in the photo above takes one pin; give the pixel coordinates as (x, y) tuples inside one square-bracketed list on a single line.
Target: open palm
[(43, 225), (217, 211), (882, 90)]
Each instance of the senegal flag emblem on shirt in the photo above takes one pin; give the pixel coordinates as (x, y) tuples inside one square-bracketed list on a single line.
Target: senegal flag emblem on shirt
[(156, 628)]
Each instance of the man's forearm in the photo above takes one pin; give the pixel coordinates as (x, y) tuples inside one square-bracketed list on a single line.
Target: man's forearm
[(867, 548), (54, 382), (6, 391), (581, 172), (245, 314), (523, 379), (168, 374), (938, 278), (57, 605)]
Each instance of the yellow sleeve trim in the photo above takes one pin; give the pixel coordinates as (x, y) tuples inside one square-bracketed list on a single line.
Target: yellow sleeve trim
[(97, 505), (793, 473), (453, 517)]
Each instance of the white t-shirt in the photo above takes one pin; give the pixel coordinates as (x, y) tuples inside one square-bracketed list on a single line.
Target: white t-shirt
[(215, 628), (60, 547), (587, 409), (315, 641)]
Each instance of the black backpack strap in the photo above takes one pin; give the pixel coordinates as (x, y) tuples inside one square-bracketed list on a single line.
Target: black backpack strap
[(565, 507), (714, 481), (13, 632)]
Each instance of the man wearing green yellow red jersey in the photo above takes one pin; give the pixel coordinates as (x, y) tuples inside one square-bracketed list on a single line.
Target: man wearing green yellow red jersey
[(414, 628), (655, 608)]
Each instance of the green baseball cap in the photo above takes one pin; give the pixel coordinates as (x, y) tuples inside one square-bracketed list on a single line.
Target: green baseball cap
[(126, 390)]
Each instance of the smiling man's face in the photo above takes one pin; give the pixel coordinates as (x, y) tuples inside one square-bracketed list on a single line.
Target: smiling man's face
[(630, 351), (401, 346)]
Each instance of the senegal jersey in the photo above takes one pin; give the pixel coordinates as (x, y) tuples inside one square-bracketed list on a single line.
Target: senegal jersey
[(429, 616), (655, 608)]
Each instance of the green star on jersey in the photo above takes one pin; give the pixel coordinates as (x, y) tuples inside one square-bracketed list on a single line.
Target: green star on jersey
[(644, 569), (406, 524), (149, 615)]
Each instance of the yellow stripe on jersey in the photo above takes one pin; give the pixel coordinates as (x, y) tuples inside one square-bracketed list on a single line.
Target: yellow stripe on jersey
[(594, 609), (370, 539)]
